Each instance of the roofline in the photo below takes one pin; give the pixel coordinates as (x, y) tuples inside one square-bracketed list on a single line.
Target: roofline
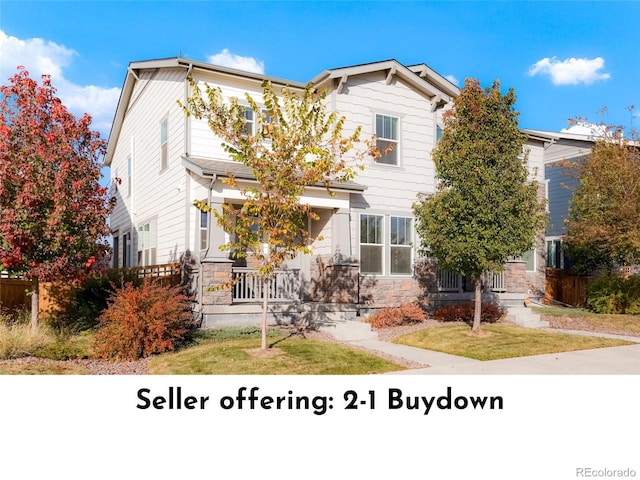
[(175, 62), (395, 68), (198, 170)]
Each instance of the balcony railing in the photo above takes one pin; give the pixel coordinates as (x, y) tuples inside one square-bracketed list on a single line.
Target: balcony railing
[(248, 287)]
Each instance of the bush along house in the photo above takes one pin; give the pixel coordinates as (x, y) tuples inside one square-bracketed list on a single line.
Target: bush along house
[(164, 163)]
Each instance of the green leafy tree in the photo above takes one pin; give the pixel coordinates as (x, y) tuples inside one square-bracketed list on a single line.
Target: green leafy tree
[(296, 144), (486, 209), (53, 209), (603, 227)]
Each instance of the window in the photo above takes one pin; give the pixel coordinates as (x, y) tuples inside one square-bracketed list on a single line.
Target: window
[(204, 224), (164, 147), (529, 257), (126, 250), (147, 240), (387, 133), (401, 245), (439, 132), (378, 248), (371, 244), (554, 253), (249, 126), (116, 250)]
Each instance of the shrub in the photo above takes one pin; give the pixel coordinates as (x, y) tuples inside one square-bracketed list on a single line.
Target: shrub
[(463, 312), (612, 294), (141, 321), (82, 305), (405, 313)]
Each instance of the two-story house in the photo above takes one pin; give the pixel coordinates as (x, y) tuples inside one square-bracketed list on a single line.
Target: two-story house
[(163, 161)]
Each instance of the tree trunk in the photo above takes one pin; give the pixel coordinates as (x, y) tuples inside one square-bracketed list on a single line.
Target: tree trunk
[(478, 304), (35, 303), (266, 283)]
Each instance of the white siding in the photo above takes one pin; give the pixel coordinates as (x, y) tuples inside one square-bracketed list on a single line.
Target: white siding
[(155, 194)]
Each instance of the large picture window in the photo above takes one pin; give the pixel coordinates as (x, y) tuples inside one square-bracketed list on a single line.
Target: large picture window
[(371, 244), (387, 136)]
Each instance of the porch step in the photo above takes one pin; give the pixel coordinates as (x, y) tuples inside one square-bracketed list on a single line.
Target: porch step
[(525, 317), (350, 331)]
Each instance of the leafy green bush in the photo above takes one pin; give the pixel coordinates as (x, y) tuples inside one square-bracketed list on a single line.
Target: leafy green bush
[(464, 312), (66, 347), (405, 313), (612, 294), (140, 321)]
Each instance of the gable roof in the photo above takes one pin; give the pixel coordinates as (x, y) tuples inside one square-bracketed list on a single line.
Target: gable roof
[(174, 62), (420, 77)]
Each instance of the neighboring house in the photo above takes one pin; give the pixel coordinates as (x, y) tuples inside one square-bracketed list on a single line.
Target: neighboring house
[(561, 148), (162, 161)]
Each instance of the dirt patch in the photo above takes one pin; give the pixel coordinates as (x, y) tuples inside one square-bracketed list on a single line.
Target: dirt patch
[(266, 353)]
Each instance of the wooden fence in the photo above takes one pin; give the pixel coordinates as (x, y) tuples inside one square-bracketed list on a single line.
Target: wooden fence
[(14, 292), (564, 287)]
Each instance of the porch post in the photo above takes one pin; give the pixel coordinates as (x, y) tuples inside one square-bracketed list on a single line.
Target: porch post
[(341, 236), (215, 234)]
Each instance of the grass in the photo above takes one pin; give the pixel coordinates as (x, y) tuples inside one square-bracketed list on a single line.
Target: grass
[(222, 353), (41, 368), (501, 341), (614, 323)]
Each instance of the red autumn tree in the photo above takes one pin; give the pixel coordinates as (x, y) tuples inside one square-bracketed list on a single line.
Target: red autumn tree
[(53, 209)]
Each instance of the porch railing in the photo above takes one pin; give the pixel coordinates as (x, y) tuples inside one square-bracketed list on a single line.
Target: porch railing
[(248, 287), (452, 282)]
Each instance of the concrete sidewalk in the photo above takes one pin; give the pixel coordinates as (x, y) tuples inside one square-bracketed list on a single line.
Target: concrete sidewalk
[(623, 360)]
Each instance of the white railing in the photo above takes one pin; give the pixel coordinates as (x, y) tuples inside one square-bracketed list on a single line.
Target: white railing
[(494, 282), (449, 282), (452, 282), (248, 286)]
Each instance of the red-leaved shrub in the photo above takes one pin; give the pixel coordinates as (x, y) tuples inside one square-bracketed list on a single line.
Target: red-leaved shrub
[(143, 320), (463, 312), (405, 313)]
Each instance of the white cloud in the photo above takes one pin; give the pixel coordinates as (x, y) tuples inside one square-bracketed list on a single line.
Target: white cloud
[(591, 129), (571, 71), (41, 57), (227, 59), (453, 80)]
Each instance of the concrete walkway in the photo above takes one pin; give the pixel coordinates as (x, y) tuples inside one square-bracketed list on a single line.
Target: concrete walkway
[(613, 360)]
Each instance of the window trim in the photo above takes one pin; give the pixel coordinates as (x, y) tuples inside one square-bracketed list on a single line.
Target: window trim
[(367, 244), (396, 141), (409, 246), (387, 246)]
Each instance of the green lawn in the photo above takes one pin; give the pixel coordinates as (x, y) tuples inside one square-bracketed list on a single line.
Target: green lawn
[(612, 323), (287, 356), (500, 341)]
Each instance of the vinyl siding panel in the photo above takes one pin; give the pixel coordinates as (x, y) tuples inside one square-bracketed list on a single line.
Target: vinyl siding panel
[(561, 187), (157, 194)]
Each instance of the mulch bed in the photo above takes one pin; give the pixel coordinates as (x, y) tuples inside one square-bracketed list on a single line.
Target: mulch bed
[(94, 367)]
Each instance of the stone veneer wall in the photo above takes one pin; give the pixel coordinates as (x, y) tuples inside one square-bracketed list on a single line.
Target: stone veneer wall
[(515, 277), (333, 282), (216, 273)]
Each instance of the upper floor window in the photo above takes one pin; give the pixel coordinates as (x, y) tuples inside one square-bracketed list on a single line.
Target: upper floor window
[(387, 133), (439, 133), (249, 121), (164, 144)]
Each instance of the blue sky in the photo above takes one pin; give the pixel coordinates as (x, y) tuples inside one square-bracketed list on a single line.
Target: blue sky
[(564, 59)]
